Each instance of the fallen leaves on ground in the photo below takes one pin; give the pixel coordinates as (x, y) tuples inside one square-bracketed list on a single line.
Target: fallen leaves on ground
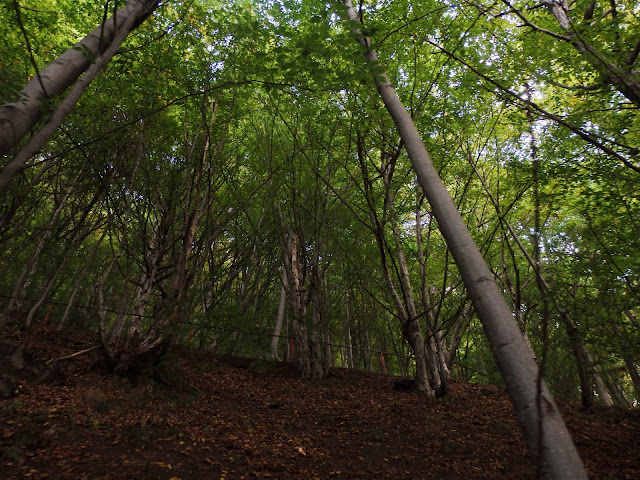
[(227, 418)]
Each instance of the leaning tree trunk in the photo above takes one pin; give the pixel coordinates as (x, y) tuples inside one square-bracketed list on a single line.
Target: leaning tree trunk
[(16, 119), (546, 435)]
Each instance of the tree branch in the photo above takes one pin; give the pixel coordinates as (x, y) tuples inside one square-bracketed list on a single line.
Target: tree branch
[(528, 104), (528, 23)]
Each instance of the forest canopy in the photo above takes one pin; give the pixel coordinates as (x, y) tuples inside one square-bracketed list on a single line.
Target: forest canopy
[(230, 180)]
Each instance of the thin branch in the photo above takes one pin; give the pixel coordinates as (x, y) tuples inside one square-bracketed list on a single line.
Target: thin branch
[(16, 6), (633, 56), (81, 352), (163, 34), (592, 139), (163, 107), (588, 88), (528, 23)]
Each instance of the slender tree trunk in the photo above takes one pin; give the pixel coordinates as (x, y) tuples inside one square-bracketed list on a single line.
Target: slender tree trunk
[(47, 288), (514, 293), (348, 348), (439, 373), (587, 372), (423, 351), (546, 435), (455, 337), (144, 290), (347, 338), (23, 281), (403, 300), (603, 393), (309, 349), (319, 361), (17, 118), (630, 362), (299, 300), (275, 339), (116, 335), (101, 312), (79, 283)]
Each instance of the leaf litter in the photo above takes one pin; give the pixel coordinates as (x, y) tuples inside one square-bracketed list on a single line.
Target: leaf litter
[(233, 418)]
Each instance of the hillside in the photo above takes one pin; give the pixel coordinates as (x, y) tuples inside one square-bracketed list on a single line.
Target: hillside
[(218, 417)]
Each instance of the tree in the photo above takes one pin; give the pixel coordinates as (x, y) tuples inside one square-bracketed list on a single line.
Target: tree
[(89, 55), (546, 435), (221, 131), (604, 25)]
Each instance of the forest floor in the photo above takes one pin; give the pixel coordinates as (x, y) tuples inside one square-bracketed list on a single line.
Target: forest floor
[(226, 418)]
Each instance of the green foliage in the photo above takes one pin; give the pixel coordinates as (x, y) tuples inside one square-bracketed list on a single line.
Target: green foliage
[(249, 117)]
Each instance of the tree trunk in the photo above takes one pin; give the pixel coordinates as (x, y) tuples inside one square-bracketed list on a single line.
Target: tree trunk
[(623, 79), (301, 343), (584, 364), (21, 119), (348, 354), (101, 311), (275, 339), (403, 300), (545, 433), (319, 362), (629, 359), (47, 288), (302, 290), (603, 393), (455, 337), (20, 287), (17, 118), (79, 283), (439, 373)]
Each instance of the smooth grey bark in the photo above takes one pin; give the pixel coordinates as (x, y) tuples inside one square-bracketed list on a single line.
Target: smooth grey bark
[(17, 118), (545, 433), (122, 27)]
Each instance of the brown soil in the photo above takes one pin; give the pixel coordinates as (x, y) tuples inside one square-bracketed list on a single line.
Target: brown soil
[(224, 418)]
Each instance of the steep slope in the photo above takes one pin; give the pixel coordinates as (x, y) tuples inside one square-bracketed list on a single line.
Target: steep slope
[(212, 417)]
